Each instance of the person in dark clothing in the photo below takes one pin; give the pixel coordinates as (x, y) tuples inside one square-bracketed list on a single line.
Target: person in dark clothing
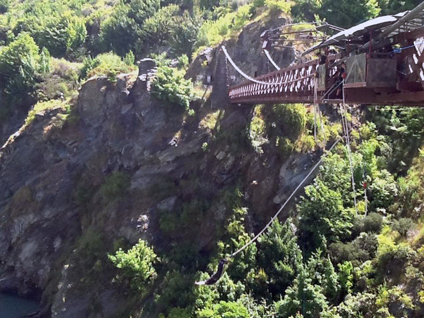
[(215, 277), (341, 75)]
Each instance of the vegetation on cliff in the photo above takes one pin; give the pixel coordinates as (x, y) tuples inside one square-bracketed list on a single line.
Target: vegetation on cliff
[(328, 258)]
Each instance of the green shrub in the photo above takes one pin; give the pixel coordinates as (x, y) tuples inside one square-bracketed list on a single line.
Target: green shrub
[(61, 82), (19, 65), (185, 34), (158, 28), (290, 120), (403, 225), (88, 65), (61, 34), (115, 185), (171, 86), (213, 32), (346, 276), (122, 31), (107, 64), (277, 6), (43, 106), (136, 266), (224, 309), (176, 290), (373, 222)]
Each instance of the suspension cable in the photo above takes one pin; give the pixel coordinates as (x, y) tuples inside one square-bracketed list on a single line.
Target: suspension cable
[(287, 201), (255, 80), (271, 60)]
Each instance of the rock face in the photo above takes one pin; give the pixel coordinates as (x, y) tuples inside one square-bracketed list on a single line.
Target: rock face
[(56, 174)]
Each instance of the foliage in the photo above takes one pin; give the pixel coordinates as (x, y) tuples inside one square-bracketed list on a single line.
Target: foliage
[(225, 310), (157, 28), (303, 297), (122, 30), (42, 107), (115, 185), (346, 276), (61, 81), (257, 129), (136, 265), (19, 64), (184, 35), (213, 32), (170, 86), (277, 6), (289, 120), (279, 256), (348, 13), (106, 64), (61, 34), (322, 215)]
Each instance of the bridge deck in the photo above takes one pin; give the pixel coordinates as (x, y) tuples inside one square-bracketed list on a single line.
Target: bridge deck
[(372, 78)]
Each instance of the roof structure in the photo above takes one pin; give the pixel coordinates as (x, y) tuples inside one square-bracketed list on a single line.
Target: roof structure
[(387, 26)]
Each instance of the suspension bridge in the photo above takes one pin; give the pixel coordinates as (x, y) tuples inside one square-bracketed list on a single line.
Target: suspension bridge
[(382, 59)]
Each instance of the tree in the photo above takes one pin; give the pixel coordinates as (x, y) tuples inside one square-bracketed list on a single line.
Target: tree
[(158, 28), (225, 310), (19, 64), (346, 13), (322, 215), (279, 256), (392, 7), (185, 35), (122, 31), (136, 265), (331, 284), (303, 297)]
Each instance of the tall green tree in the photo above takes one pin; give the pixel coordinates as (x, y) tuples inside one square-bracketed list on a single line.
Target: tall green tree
[(122, 31), (322, 216), (279, 256), (19, 65), (303, 297), (346, 13)]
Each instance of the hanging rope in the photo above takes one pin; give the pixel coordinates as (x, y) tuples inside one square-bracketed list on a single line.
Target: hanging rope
[(347, 140), (317, 110), (286, 202)]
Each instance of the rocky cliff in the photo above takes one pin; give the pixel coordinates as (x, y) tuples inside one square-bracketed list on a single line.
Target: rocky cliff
[(76, 184)]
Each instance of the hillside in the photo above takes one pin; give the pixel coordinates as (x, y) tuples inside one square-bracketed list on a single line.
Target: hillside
[(123, 183)]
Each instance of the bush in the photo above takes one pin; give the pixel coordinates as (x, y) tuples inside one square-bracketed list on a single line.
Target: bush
[(19, 64), (290, 120), (322, 215), (158, 28), (136, 265), (373, 222), (115, 185), (403, 225), (225, 309), (213, 32), (170, 86), (123, 30), (185, 35), (107, 64), (62, 34), (43, 106), (61, 82), (277, 6)]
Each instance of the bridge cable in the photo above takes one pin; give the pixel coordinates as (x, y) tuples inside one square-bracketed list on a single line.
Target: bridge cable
[(287, 201), (255, 80), (271, 60)]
